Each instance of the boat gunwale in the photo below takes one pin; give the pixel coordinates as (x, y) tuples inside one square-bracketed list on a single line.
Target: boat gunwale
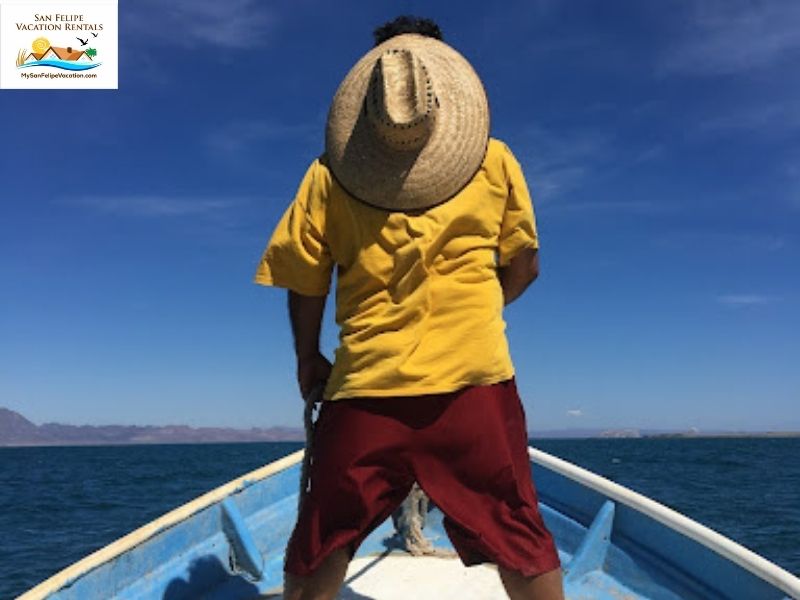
[(747, 559), (714, 541), (144, 533)]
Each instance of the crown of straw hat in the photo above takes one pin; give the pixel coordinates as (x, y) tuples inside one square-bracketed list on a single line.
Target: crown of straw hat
[(408, 126)]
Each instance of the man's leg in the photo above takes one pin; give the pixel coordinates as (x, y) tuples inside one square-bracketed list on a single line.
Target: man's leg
[(475, 468), (547, 586), (323, 584), (357, 481)]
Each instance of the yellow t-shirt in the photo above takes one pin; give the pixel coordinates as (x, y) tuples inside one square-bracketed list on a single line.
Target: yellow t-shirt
[(418, 301)]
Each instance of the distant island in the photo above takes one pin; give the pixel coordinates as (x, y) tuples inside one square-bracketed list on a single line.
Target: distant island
[(654, 434), (16, 430)]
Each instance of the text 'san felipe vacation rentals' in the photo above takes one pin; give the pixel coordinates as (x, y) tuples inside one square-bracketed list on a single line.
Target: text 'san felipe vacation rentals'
[(58, 45)]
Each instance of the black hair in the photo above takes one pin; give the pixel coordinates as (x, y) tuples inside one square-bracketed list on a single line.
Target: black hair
[(406, 24)]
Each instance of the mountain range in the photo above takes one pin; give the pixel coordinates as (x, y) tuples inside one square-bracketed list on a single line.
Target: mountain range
[(16, 430)]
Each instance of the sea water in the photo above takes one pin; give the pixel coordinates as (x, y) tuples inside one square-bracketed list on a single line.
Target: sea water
[(59, 504)]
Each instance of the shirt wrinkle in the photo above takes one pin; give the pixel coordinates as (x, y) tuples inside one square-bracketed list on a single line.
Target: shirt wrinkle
[(418, 301)]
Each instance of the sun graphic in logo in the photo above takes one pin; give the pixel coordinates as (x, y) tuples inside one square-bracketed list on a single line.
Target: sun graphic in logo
[(57, 57), (40, 45)]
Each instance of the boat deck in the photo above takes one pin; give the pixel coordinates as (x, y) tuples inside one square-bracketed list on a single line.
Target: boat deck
[(398, 576)]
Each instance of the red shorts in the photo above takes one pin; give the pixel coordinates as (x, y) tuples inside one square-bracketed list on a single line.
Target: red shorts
[(466, 449)]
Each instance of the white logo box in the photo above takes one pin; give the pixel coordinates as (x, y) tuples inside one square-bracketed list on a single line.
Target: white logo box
[(82, 39)]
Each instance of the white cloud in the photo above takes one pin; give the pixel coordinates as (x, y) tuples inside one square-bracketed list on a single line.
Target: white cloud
[(239, 135), (792, 171), (717, 241), (628, 207), (734, 36), (650, 154), (559, 161), (233, 24), (155, 206), (742, 300), (575, 412), (777, 117), (757, 45)]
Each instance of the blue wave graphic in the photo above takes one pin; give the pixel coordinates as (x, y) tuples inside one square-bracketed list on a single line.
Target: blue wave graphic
[(69, 65)]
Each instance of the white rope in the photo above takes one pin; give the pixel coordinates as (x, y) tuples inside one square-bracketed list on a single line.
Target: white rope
[(313, 398), (410, 521)]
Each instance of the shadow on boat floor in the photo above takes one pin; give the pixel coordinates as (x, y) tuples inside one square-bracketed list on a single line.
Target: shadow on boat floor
[(204, 573), (346, 593)]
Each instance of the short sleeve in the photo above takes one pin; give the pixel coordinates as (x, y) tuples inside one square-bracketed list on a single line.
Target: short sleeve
[(297, 256), (518, 228)]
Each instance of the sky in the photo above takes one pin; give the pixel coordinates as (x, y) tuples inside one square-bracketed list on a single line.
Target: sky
[(659, 140)]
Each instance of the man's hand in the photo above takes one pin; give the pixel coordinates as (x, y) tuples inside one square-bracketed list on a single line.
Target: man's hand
[(311, 372), (518, 274), (305, 313)]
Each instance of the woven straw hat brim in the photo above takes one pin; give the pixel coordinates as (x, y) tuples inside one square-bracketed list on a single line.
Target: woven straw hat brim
[(392, 179)]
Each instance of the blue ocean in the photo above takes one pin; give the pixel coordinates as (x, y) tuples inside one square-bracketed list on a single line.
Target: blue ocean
[(59, 504)]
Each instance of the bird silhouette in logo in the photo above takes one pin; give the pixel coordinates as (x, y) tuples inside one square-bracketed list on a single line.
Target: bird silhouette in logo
[(83, 42), (93, 33)]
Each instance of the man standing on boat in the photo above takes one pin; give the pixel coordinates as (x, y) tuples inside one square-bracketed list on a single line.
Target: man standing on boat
[(431, 228)]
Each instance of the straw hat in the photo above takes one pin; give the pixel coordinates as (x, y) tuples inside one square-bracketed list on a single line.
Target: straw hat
[(408, 126)]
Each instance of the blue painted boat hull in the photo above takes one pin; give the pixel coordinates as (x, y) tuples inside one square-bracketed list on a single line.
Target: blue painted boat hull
[(613, 543)]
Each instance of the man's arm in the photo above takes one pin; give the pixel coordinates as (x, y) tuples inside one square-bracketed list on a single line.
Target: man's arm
[(518, 274), (305, 314)]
